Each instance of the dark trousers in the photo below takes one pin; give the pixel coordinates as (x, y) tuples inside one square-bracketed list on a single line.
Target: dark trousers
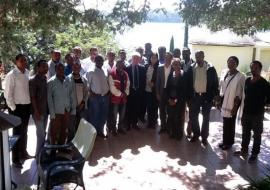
[(143, 104), (121, 110), (98, 111), (152, 108), (59, 128), (23, 112), (176, 120), (198, 102), (228, 130), (109, 123), (163, 109), (133, 107), (254, 123)]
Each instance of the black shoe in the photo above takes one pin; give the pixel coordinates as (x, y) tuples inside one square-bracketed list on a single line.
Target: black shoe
[(226, 147), (136, 127), (194, 139), (204, 142), (220, 145), (102, 135), (120, 130), (114, 133), (252, 159), (26, 156), (162, 130), (17, 164), (240, 153)]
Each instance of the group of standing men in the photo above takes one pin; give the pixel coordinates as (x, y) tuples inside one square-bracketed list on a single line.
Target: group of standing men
[(102, 91)]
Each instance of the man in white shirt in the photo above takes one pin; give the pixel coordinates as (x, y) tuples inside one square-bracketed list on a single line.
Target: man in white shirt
[(98, 101), (202, 87), (18, 100), (88, 64)]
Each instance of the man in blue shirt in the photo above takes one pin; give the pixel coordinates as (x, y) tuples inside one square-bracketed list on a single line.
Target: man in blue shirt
[(61, 103)]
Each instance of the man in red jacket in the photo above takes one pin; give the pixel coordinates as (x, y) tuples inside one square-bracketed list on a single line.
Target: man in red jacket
[(119, 87)]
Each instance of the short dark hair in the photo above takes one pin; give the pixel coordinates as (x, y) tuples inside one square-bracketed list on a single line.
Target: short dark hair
[(40, 62), (169, 53), (93, 49), (99, 58), (234, 58), (186, 49), (19, 56), (119, 61), (258, 63)]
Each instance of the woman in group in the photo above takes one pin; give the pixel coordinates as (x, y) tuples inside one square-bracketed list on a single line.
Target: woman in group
[(150, 89), (176, 100), (231, 90)]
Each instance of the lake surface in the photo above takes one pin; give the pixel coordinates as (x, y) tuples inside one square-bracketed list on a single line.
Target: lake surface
[(158, 34)]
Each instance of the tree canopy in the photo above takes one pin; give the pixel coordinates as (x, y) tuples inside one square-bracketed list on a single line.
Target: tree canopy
[(34, 27), (240, 16)]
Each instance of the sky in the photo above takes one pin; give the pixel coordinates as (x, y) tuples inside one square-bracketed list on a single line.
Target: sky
[(107, 5)]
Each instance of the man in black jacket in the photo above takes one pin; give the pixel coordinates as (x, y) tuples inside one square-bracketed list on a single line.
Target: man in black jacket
[(136, 74), (202, 87)]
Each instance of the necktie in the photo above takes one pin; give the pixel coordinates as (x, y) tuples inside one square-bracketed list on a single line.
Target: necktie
[(136, 77)]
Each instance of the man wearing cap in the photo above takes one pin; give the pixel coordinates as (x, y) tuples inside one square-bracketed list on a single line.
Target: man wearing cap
[(55, 59), (137, 77)]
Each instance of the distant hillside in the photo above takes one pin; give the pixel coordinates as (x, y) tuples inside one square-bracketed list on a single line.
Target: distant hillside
[(169, 17)]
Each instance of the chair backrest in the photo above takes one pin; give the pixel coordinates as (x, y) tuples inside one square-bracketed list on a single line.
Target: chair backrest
[(85, 138)]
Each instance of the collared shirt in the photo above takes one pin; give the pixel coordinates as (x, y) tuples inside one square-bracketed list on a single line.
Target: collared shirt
[(149, 74), (17, 88), (61, 97), (167, 71), (38, 90), (97, 81), (68, 69), (200, 78), (51, 71), (185, 66), (87, 65), (108, 68)]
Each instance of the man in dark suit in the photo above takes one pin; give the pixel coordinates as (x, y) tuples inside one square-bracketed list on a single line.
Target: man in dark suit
[(202, 87), (163, 73), (136, 73)]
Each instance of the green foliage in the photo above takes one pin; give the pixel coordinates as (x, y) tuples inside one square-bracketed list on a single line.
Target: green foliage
[(85, 36), (241, 16)]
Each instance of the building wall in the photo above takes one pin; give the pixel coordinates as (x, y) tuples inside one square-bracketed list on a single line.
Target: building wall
[(265, 58), (218, 55)]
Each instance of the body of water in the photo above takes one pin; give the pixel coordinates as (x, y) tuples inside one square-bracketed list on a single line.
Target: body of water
[(158, 34)]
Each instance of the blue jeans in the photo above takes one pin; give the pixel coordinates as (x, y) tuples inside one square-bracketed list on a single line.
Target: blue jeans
[(197, 103), (98, 107), (40, 131)]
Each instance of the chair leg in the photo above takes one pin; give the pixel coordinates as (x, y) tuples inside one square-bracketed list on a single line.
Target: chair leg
[(38, 183), (76, 186)]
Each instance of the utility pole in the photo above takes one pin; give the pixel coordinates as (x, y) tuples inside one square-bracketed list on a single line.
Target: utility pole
[(186, 35)]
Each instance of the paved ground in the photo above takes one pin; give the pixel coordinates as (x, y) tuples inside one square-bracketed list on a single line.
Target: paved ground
[(146, 160)]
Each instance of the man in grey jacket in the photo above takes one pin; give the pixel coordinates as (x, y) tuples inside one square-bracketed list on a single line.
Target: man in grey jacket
[(79, 86), (162, 75)]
